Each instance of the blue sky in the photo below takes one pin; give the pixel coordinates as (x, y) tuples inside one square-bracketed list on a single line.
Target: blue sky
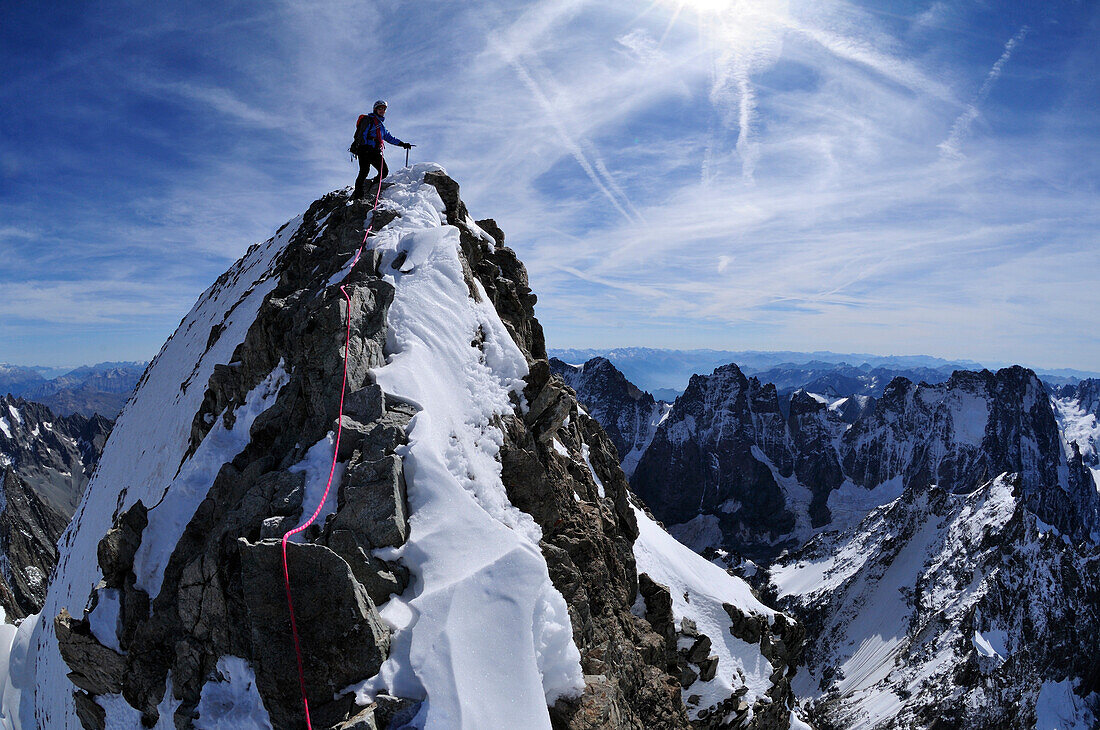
[(906, 177)]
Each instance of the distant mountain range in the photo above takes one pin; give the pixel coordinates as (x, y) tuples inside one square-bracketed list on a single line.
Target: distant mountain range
[(936, 536), (665, 373), (89, 389)]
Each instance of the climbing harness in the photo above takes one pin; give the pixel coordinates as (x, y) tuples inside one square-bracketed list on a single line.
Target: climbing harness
[(335, 454)]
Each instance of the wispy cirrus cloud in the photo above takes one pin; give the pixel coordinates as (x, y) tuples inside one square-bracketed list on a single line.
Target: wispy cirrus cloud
[(750, 173)]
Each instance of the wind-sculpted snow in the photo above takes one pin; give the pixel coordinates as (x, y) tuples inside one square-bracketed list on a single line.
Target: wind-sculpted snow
[(483, 637)]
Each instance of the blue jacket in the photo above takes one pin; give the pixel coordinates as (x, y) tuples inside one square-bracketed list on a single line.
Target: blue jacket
[(375, 131)]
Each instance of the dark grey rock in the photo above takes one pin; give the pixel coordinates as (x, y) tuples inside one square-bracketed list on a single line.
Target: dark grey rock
[(394, 712), (700, 650), (372, 503), (88, 712), (342, 636), (658, 609), (380, 578), (687, 675), (96, 669), (365, 405), (708, 668)]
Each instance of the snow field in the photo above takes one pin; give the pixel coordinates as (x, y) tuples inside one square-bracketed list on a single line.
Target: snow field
[(1075, 424), (481, 634), (867, 638)]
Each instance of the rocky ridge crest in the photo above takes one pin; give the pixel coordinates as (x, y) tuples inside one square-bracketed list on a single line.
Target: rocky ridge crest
[(220, 594)]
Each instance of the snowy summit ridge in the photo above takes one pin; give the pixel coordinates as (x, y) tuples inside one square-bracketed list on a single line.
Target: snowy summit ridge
[(479, 561)]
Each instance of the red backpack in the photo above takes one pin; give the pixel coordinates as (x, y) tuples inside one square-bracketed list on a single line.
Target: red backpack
[(360, 125)]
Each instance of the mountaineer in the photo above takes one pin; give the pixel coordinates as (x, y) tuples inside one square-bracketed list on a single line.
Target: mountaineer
[(370, 131)]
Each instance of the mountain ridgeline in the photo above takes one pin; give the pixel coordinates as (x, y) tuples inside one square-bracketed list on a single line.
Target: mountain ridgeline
[(480, 561), (88, 390), (754, 481), (939, 547)]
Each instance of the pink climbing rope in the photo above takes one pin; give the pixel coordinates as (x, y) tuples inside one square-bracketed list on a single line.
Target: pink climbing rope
[(335, 453)]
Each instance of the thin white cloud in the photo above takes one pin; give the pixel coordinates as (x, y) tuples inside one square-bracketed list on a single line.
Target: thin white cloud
[(950, 147), (770, 175)]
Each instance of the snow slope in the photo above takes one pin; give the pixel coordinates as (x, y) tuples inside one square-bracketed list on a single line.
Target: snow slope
[(698, 589), (148, 446), (955, 607)]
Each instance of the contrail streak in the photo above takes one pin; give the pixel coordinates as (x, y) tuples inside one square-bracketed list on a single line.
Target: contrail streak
[(961, 128)]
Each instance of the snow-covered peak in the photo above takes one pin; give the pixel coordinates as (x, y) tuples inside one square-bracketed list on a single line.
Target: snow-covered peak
[(474, 565)]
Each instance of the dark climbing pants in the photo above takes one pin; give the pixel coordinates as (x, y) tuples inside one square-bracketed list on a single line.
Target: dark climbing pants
[(368, 157)]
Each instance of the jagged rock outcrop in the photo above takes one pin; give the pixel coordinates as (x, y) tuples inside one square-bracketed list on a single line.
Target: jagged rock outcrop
[(29, 528), (629, 415), (703, 460), (55, 455), (221, 591), (170, 583), (750, 480), (948, 610)]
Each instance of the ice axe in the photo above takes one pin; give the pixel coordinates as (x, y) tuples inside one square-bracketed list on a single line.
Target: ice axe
[(407, 148)]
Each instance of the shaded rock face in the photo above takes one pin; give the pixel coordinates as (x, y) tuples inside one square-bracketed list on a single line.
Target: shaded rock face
[(628, 414), (703, 460), (970, 603), (967, 431), (29, 529), (768, 480), (55, 455), (222, 591)]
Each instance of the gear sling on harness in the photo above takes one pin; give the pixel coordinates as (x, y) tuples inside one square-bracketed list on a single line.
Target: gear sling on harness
[(335, 453)]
